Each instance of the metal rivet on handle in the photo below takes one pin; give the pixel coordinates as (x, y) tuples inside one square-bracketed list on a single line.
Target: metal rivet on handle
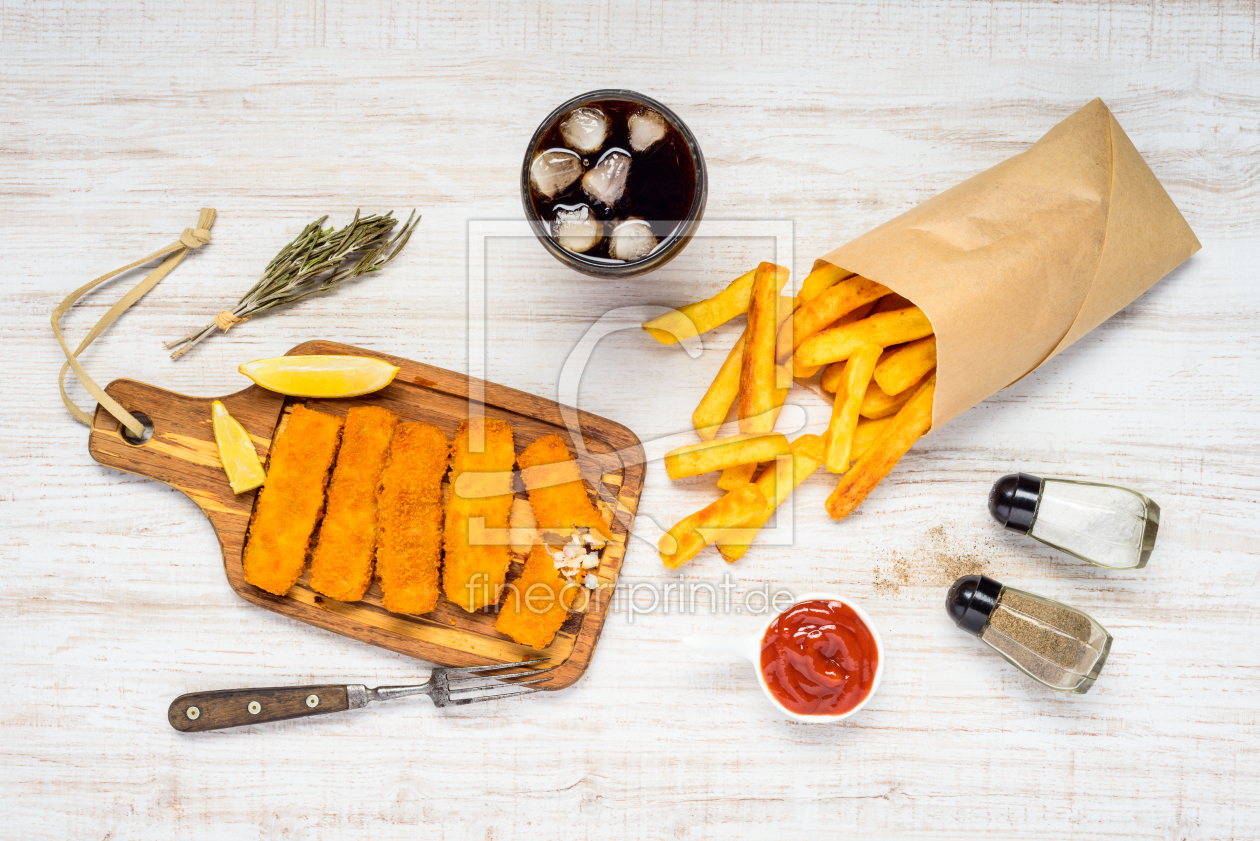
[(254, 708), (312, 701), (193, 713)]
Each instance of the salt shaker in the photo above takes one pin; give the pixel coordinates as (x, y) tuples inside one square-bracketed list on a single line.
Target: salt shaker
[(1055, 644), (1106, 525)]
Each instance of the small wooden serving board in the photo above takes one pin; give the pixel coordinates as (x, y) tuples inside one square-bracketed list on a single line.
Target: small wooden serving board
[(183, 454)]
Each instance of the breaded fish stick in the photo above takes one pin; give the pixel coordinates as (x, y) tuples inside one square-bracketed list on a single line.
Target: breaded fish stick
[(409, 541), (537, 603), (476, 564), (341, 565), (557, 492), (291, 500)]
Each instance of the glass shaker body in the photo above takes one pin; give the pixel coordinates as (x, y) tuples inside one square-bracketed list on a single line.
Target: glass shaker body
[(1055, 644), (1106, 525), (1103, 524)]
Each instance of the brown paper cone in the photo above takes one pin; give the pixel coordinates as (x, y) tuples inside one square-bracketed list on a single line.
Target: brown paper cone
[(1015, 264)]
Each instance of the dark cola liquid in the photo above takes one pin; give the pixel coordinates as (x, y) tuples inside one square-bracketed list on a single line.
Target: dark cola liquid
[(660, 187)]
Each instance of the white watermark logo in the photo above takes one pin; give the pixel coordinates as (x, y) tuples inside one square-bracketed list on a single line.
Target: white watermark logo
[(649, 525), (696, 596)]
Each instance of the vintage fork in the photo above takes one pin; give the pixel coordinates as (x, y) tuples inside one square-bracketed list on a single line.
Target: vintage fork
[(199, 711)]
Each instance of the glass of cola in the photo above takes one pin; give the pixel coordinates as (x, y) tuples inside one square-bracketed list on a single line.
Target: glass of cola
[(613, 184)]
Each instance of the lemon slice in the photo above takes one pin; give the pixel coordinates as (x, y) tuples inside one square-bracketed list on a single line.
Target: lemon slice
[(320, 376), (236, 451)]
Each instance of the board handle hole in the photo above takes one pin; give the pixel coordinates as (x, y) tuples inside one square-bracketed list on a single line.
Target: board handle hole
[(143, 439)]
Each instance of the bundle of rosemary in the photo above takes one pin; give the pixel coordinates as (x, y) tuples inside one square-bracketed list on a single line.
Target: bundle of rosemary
[(320, 259)]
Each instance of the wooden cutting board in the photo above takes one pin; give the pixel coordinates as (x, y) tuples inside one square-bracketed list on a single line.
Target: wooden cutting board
[(183, 454)]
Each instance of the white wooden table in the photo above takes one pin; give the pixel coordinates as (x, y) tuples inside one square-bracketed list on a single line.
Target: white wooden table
[(118, 121)]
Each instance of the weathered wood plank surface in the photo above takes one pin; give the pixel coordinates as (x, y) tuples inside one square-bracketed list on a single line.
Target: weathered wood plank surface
[(118, 121)]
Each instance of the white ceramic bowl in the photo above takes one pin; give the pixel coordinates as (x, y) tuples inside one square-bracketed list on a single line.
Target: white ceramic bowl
[(749, 648)]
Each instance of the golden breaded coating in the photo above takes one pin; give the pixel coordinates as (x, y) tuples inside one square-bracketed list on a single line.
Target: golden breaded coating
[(409, 541), (341, 565), (476, 563), (557, 492), (291, 500), (537, 603)]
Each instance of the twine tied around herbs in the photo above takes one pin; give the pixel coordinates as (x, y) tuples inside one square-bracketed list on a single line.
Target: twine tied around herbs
[(226, 320), (174, 253)]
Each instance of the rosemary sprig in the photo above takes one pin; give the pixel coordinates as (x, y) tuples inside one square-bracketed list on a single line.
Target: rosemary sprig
[(320, 259)]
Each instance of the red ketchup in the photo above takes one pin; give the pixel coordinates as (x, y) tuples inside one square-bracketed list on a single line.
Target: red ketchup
[(819, 658)]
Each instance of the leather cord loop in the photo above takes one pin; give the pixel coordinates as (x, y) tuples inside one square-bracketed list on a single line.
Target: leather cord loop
[(174, 253)]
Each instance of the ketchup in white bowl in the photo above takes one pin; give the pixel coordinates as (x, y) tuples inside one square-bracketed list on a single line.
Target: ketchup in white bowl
[(819, 661), (819, 658)]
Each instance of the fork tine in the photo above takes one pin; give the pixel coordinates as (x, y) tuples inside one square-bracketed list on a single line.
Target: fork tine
[(496, 686), (529, 673), (494, 667), (461, 701)]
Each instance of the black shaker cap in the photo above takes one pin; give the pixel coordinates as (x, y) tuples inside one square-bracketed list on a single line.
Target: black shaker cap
[(970, 601), (1013, 500)]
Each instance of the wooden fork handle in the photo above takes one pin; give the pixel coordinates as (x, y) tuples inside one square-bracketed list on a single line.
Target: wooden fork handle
[(200, 711)]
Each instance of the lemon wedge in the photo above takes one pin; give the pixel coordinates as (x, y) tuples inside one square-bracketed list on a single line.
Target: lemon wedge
[(236, 451), (320, 376)]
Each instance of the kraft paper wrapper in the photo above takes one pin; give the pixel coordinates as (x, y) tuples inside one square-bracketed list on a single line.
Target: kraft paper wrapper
[(1015, 264)]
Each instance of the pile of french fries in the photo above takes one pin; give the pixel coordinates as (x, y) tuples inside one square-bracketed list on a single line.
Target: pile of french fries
[(877, 354)]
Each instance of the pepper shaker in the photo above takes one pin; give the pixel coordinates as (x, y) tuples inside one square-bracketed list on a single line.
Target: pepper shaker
[(1055, 644), (1106, 525)]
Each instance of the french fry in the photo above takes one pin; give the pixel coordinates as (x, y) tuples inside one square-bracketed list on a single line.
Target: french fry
[(776, 482), (866, 434), (906, 366), (739, 474), (880, 404), (703, 528), (717, 401), (702, 316), (891, 302), (782, 375), (911, 423), (758, 378), (834, 374), (857, 314), (809, 445), (819, 280), (707, 456), (844, 412), (884, 329), (831, 305)]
